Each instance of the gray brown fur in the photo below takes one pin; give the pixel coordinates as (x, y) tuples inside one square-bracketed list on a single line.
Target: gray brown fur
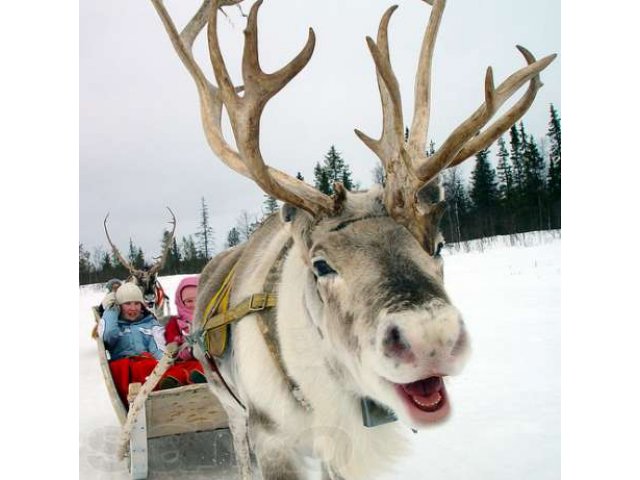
[(384, 268), (381, 308)]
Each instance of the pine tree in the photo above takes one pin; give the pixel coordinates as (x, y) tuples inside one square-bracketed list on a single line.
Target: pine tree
[(106, 268), (484, 189), (334, 169), (505, 174), (233, 237), (205, 232), (523, 135), (132, 252), (346, 179), (85, 268), (454, 223), (119, 270), (533, 186), (554, 134), (506, 188), (553, 177), (270, 205), (174, 255), (484, 194), (337, 168), (135, 256), (515, 155), (138, 259), (172, 265), (190, 255), (321, 179)]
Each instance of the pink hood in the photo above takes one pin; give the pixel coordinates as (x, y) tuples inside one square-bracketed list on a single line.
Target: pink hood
[(185, 316)]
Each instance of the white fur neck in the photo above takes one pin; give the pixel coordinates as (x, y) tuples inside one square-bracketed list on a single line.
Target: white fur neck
[(336, 431)]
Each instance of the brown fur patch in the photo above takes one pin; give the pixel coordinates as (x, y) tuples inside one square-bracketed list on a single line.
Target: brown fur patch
[(336, 370), (260, 419)]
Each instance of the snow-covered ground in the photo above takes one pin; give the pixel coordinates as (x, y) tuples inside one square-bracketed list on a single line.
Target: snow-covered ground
[(506, 418)]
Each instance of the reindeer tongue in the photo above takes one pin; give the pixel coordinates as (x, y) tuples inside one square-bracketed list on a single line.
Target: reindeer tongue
[(423, 388), (426, 393)]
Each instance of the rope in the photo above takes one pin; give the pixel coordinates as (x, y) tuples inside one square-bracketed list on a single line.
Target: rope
[(152, 380)]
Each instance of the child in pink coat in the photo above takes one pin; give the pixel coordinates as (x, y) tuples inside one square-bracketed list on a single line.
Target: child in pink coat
[(180, 325)]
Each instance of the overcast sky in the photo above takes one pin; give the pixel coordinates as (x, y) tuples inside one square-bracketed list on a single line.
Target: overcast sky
[(141, 141)]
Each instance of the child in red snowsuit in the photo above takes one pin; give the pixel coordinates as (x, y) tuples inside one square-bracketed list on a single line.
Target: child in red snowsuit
[(180, 325), (135, 341)]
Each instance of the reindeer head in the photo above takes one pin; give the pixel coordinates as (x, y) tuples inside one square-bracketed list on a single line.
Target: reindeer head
[(145, 278), (373, 273), (378, 302)]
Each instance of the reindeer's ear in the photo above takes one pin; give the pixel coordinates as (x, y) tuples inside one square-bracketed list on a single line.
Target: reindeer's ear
[(339, 196), (298, 222), (288, 213)]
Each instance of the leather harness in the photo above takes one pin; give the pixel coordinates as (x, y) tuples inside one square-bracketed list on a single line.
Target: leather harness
[(218, 318)]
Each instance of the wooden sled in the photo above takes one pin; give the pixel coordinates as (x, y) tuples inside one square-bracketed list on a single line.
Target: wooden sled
[(189, 412)]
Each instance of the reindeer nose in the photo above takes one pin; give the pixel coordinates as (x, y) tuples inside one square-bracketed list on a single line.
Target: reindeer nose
[(394, 344), (433, 336)]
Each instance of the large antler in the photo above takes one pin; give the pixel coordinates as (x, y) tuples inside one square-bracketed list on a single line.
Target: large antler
[(117, 253), (244, 111), (163, 258), (156, 266), (407, 166)]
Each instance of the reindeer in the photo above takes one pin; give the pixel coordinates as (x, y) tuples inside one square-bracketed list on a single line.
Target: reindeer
[(342, 319), (147, 278)]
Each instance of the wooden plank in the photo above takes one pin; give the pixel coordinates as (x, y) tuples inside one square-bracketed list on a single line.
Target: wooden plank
[(118, 405), (194, 455), (192, 408), (138, 447)]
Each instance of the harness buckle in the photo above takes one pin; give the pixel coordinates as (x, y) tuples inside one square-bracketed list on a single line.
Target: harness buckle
[(256, 303)]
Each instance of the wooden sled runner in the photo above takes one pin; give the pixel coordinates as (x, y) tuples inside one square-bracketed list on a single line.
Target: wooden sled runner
[(190, 417)]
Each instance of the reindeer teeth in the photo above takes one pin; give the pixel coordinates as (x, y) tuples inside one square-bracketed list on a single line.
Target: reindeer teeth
[(429, 404), (427, 394)]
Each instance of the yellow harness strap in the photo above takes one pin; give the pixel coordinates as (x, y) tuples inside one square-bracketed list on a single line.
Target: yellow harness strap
[(218, 316)]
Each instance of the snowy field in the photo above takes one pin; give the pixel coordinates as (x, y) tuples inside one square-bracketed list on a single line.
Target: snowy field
[(506, 404)]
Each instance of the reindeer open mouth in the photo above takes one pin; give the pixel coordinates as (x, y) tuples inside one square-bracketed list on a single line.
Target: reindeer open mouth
[(426, 399)]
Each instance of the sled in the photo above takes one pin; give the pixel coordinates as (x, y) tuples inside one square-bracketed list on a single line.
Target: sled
[(188, 421)]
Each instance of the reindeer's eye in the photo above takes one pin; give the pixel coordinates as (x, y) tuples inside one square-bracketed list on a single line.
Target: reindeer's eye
[(438, 249), (322, 268)]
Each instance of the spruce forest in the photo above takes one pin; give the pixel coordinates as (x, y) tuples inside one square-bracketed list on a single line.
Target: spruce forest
[(514, 187)]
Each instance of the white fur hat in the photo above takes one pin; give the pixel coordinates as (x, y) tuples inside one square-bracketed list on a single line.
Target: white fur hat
[(129, 292)]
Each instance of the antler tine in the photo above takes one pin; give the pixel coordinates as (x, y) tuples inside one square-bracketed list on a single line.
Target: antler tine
[(253, 75), (210, 103), (422, 91), (163, 259), (391, 138), (501, 125), (494, 99), (199, 20), (407, 167), (116, 252), (245, 111)]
